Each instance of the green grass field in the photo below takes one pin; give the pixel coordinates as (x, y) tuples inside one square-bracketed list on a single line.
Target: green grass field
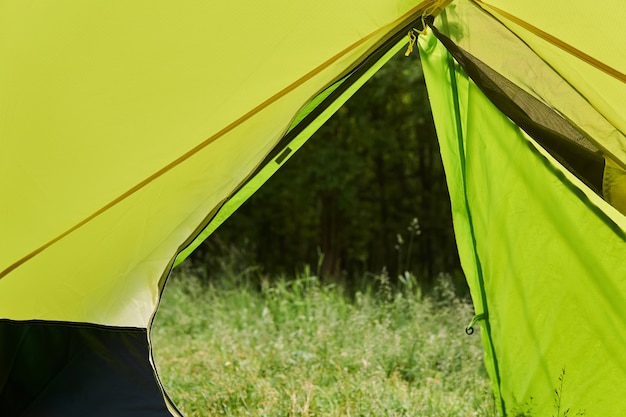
[(300, 348)]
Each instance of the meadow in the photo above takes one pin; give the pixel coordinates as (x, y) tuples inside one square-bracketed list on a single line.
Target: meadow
[(300, 347)]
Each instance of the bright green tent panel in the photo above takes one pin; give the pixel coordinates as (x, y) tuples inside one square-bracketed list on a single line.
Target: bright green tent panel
[(543, 253)]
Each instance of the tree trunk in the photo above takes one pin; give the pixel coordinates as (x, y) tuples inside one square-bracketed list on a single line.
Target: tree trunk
[(330, 244)]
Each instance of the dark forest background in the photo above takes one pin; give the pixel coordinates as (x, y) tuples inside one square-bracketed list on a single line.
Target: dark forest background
[(365, 195)]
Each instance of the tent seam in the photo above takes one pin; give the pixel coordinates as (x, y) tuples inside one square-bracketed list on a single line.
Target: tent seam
[(479, 273)]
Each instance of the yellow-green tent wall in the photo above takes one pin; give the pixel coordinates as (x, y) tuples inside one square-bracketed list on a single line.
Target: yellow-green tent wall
[(126, 130), (125, 125)]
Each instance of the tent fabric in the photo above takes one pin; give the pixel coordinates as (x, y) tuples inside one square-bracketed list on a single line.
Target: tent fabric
[(527, 55), (75, 371), (511, 56), (307, 121), (128, 129), (580, 42), (133, 122), (545, 125), (542, 253)]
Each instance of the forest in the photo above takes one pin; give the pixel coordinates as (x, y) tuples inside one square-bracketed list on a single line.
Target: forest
[(365, 195)]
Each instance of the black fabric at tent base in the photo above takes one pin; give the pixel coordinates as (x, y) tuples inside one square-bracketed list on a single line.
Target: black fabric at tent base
[(68, 370)]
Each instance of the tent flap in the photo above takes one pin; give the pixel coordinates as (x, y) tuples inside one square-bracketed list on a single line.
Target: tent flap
[(541, 251)]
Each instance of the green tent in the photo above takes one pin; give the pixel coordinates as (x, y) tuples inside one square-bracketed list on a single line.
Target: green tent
[(528, 104), (131, 130)]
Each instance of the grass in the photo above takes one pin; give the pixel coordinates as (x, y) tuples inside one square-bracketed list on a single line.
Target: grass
[(300, 348)]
